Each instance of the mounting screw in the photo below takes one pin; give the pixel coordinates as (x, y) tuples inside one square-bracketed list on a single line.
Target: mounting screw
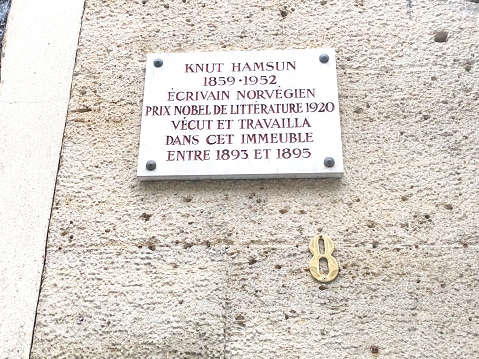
[(324, 58), (329, 162), (374, 349), (150, 165), (79, 320), (158, 62)]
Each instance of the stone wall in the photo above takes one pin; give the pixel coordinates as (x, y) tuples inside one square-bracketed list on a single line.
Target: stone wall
[(219, 269)]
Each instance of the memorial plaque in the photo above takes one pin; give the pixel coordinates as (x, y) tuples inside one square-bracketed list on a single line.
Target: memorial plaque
[(252, 114)]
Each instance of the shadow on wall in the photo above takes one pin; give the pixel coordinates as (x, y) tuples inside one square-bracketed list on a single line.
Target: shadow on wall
[(4, 7)]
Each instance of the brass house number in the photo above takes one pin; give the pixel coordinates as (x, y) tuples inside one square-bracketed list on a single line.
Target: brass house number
[(317, 255)]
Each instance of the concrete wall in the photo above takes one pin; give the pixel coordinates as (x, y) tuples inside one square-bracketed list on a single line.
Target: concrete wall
[(219, 269), (38, 57)]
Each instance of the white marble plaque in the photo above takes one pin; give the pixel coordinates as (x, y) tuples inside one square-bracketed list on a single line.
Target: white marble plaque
[(252, 114)]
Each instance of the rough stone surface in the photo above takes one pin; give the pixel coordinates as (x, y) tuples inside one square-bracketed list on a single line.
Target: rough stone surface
[(219, 269)]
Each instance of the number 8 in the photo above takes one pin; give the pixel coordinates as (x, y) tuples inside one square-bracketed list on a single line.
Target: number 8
[(314, 264)]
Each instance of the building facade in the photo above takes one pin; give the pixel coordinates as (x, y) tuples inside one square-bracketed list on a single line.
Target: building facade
[(97, 264)]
